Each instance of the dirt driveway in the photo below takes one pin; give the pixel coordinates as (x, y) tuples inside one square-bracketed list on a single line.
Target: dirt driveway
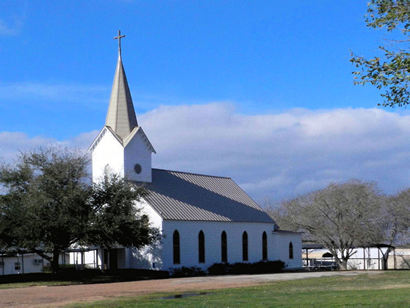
[(55, 296)]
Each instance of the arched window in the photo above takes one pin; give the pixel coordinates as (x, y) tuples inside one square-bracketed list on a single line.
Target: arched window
[(290, 250), (245, 246), (264, 246), (201, 247), (176, 246), (224, 247)]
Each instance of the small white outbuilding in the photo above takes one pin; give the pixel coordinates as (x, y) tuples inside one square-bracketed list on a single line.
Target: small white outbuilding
[(203, 219), (19, 263)]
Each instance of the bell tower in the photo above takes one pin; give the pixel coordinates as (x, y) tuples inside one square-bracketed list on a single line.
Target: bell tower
[(122, 147)]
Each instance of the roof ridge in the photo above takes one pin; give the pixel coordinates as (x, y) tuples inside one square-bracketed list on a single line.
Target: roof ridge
[(192, 173)]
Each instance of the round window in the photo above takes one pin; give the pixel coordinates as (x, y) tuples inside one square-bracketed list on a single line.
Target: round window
[(137, 168)]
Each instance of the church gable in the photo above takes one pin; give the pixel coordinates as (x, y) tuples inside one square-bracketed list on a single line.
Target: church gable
[(137, 157), (107, 154), (101, 134), (139, 131)]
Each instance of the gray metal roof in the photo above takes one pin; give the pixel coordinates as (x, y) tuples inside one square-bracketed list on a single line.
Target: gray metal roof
[(194, 197), (121, 114)]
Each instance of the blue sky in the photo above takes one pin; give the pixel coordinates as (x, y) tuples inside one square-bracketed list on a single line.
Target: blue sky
[(262, 55), (253, 58)]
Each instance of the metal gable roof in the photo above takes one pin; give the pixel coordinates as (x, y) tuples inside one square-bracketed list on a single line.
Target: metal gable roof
[(186, 196)]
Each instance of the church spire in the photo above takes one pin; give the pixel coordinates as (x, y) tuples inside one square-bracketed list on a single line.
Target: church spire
[(121, 115)]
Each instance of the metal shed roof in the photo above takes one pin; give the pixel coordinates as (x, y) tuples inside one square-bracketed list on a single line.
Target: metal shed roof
[(194, 197)]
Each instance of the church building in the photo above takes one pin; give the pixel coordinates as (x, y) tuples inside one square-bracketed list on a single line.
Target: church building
[(203, 219)]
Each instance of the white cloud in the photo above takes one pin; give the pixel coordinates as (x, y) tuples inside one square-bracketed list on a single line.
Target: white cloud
[(272, 156), (12, 143), (32, 91), (282, 155)]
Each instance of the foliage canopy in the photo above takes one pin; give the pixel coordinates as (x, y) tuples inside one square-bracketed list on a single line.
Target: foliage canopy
[(49, 205), (390, 72)]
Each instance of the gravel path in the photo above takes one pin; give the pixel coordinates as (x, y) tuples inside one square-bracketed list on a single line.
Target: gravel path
[(57, 296)]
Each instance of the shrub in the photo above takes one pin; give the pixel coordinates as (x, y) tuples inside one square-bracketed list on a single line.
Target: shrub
[(241, 268), (262, 267), (187, 271), (218, 269)]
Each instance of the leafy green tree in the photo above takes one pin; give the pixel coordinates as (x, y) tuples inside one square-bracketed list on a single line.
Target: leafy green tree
[(48, 205), (391, 71), (45, 208), (11, 215), (114, 218)]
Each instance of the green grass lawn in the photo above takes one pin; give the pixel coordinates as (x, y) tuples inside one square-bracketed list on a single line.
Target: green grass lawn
[(388, 289)]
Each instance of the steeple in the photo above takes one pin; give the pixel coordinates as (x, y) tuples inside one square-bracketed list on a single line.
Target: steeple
[(121, 114)]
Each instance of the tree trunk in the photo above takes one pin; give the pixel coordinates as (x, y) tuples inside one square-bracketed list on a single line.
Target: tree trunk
[(342, 262), (54, 261), (385, 257), (343, 265)]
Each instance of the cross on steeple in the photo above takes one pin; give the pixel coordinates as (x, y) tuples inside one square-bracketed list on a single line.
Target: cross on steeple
[(119, 37), (121, 114)]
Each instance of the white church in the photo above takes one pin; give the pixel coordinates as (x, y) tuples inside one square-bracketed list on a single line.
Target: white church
[(202, 219)]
